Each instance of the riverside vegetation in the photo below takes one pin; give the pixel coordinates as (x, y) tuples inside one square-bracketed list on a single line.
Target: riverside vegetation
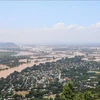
[(54, 78)]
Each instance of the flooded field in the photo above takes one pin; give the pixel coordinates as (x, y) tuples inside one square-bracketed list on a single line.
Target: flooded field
[(34, 60), (3, 67), (24, 54), (5, 73)]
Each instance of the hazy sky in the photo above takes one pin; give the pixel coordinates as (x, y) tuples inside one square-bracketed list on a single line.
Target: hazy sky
[(50, 22)]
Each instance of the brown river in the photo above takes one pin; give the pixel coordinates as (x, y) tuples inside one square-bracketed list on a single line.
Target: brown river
[(5, 73)]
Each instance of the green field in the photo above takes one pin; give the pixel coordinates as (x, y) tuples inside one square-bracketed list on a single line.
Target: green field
[(6, 54)]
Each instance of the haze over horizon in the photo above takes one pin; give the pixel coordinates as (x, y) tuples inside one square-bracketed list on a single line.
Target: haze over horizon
[(50, 22)]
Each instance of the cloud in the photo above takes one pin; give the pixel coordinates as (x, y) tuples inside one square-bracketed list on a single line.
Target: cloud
[(59, 33), (72, 26), (59, 25), (97, 25)]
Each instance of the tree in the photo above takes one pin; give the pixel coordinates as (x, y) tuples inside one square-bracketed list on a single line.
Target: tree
[(88, 95), (27, 96), (71, 86), (79, 96), (57, 97), (17, 97), (68, 93)]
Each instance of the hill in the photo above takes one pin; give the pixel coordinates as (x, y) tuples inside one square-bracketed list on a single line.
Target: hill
[(8, 45)]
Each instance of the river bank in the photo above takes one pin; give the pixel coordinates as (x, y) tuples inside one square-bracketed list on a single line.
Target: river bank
[(5, 73)]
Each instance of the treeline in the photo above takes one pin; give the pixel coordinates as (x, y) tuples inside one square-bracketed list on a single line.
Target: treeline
[(12, 61), (69, 93)]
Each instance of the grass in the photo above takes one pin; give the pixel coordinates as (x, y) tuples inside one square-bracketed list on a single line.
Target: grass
[(50, 96), (6, 54), (23, 93)]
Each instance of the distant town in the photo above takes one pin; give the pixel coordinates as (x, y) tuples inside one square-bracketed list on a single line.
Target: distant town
[(25, 69)]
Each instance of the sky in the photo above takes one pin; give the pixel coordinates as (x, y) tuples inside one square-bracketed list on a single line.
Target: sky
[(50, 22)]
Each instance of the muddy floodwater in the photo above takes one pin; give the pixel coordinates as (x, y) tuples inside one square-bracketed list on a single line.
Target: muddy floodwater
[(23, 54), (5, 73)]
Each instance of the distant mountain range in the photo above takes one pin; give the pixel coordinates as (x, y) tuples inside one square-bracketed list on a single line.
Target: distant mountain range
[(8, 45)]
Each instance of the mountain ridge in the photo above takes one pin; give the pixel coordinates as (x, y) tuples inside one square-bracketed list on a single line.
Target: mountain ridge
[(8, 45)]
